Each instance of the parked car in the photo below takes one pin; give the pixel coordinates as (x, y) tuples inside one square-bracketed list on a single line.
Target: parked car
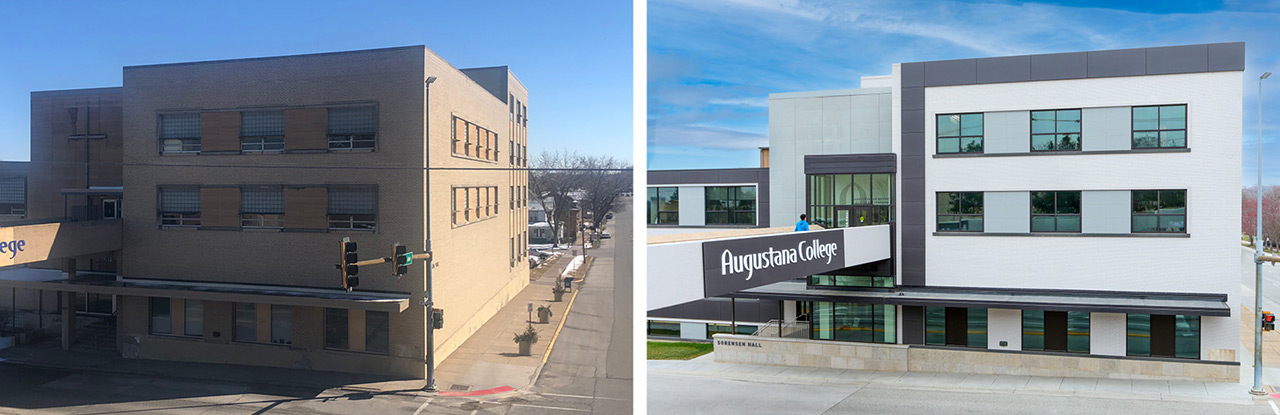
[(605, 235), (608, 216)]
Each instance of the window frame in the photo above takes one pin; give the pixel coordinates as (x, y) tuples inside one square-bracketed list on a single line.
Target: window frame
[(960, 136), (179, 219), (345, 338), (1199, 335), (1133, 131), (351, 139), (187, 318), (826, 214), (1079, 134), (1186, 217), (1055, 215), (1066, 326), (673, 216), (236, 332), (151, 316), (259, 220), (261, 141), (351, 220), (186, 145), (960, 208), (731, 199)]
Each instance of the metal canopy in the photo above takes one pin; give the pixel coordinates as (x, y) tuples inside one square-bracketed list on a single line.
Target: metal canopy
[(99, 284), (1213, 305)]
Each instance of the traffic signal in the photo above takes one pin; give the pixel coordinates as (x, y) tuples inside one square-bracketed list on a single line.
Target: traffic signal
[(348, 265), (437, 318), (401, 258), (1268, 321)]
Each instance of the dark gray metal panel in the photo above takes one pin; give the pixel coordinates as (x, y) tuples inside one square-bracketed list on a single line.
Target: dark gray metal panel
[(912, 325), (916, 187), (1121, 62), (912, 121), (746, 311), (943, 73), (663, 176), (913, 272), (1226, 56), (1003, 69), (913, 98), (739, 176), (912, 74), (913, 152), (769, 259), (913, 210), (1059, 66), (1178, 59), (762, 198), (708, 176), (851, 163)]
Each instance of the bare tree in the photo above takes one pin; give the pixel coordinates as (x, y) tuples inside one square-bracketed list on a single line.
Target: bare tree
[(602, 180), (551, 189), (563, 180)]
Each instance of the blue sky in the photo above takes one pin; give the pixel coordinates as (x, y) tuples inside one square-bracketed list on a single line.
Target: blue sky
[(712, 63), (574, 56)]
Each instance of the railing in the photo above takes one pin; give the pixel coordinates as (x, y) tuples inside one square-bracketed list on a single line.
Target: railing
[(794, 329)]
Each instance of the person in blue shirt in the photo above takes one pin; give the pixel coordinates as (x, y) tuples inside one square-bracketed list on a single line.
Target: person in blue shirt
[(802, 225)]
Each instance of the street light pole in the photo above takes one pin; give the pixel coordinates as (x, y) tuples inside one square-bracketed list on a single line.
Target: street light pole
[(1257, 260)]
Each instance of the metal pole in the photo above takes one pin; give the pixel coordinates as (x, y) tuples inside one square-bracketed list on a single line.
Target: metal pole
[(1257, 245), (427, 294), (733, 315)]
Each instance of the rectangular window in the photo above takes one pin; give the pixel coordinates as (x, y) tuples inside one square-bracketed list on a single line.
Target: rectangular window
[(1159, 211), (353, 208), (193, 318), (1055, 211), (261, 131), (731, 205), (352, 128), (281, 324), (179, 206), (246, 325), (1055, 130), (959, 133), (664, 328), (161, 316), (845, 200), (872, 323), (960, 211), (1163, 336), (336, 329), (850, 281), (180, 133), (13, 196), (956, 326), (377, 331), (743, 329), (1162, 126), (664, 205), (1061, 331), (262, 207)]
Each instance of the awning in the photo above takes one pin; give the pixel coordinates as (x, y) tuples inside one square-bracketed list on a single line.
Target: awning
[(95, 191), (1213, 305), (242, 293)]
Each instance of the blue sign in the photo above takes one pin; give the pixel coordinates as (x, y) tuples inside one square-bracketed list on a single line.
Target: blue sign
[(12, 247)]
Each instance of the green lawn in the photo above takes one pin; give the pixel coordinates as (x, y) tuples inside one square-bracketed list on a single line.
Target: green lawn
[(677, 350)]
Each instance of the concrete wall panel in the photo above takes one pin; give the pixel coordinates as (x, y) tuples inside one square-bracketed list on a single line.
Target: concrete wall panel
[(1007, 212)]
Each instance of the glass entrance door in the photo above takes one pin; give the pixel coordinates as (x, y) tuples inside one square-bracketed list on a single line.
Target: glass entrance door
[(842, 217)]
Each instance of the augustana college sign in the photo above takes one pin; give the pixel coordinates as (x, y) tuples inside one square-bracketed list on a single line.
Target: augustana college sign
[(738, 264)]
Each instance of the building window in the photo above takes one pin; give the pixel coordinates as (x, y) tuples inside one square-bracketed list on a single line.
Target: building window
[(731, 205), (872, 323), (353, 209), (960, 211), (664, 205), (471, 204), (1055, 130), (845, 200), (955, 326), (13, 196), (743, 329), (94, 303), (1163, 336), (192, 318), (336, 329), (1159, 211), (179, 206), (281, 324), (161, 316), (1059, 331), (246, 326), (472, 140), (1160, 126), (262, 207), (377, 331), (1055, 211), (261, 131), (664, 328), (960, 133), (850, 281), (352, 128), (180, 133)]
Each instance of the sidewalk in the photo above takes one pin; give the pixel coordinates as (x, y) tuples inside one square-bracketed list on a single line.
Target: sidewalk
[(705, 366), (489, 359)]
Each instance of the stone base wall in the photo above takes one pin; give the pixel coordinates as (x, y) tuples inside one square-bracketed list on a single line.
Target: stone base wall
[(903, 358)]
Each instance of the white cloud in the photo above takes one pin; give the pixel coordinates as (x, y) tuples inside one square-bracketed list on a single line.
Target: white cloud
[(666, 135), (742, 102)]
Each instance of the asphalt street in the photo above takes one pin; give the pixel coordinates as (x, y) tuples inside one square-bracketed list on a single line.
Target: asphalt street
[(1270, 281), (702, 395)]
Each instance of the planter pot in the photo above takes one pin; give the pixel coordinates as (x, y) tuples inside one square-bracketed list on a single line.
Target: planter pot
[(559, 296), (544, 318), (526, 348)]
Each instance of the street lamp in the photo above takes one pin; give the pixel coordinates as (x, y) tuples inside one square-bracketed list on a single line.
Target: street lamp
[(1257, 260)]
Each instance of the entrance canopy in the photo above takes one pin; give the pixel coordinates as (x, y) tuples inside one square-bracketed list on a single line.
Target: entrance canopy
[(692, 266), (54, 280), (1214, 305)]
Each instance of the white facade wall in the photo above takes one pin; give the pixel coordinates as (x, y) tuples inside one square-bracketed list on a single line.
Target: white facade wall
[(1205, 262)]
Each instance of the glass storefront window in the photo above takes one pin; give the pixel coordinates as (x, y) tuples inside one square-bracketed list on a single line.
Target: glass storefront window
[(955, 326), (935, 325), (664, 328), (850, 281), (743, 329), (1062, 331), (845, 200), (1163, 336), (871, 323)]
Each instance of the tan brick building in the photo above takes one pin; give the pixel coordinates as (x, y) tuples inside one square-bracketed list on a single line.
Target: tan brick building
[(242, 176)]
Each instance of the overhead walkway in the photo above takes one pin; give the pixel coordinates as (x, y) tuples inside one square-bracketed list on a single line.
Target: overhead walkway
[(26, 242)]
